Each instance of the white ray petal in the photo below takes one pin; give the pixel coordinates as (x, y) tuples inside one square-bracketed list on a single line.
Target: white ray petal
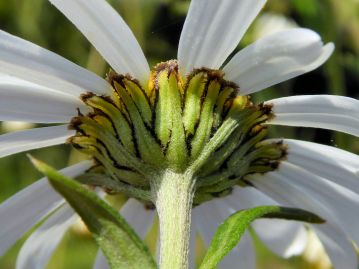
[(49, 105), (108, 33), (304, 148), (206, 219), (23, 210), (277, 58), (332, 112), (24, 101), (271, 22), (138, 216), (39, 247), (324, 191), (336, 122), (335, 241), (324, 104), (339, 249), (316, 194), (212, 30), (286, 238), (101, 262), (21, 141), (30, 62), (283, 237), (247, 197), (325, 161)]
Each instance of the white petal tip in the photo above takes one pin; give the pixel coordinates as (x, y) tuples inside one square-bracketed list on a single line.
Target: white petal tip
[(328, 49)]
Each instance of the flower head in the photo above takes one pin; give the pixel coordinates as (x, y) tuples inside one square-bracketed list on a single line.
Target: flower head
[(197, 123), (192, 114)]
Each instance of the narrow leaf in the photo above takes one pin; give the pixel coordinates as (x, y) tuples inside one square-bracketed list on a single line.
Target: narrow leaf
[(121, 245), (229, 233)]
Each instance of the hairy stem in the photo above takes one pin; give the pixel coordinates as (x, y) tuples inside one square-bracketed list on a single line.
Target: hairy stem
[(173, 193)]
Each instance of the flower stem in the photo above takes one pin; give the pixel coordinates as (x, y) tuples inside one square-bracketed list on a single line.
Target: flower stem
[(173, 198)]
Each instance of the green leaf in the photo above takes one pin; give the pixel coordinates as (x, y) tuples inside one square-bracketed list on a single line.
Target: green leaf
[(120, 244), (229, 233)]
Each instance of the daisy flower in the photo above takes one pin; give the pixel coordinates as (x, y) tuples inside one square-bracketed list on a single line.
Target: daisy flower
[(190, 118)]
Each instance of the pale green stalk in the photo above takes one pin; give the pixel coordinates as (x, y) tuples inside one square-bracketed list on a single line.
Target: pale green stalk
[(173, 197)]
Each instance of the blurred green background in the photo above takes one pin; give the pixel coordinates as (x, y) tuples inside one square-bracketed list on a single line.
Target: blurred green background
[(157, 25)]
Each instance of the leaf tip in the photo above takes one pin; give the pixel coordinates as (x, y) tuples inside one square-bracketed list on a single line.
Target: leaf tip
[(39, 165), (45, 169)]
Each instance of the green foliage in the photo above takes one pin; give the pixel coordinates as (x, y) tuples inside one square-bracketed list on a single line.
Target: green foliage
[(121, 245), (229, 233)]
